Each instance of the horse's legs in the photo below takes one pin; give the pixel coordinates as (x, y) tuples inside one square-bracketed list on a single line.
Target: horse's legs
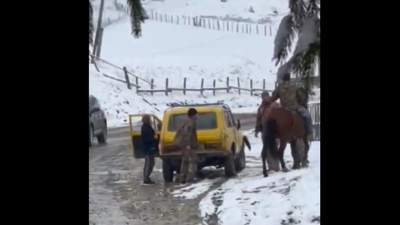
[(282, 148), (307, 146), (264, 158), (295, 154)]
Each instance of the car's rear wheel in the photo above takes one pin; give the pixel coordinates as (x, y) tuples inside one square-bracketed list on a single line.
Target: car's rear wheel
[(229, 166), (240, 161), (91, 135), (167, 170), (102, 138)]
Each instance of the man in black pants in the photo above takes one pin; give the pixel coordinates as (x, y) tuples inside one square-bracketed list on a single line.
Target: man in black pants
[(149, 148)]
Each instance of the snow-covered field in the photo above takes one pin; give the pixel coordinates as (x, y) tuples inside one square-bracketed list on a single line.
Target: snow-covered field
[(178, 52), (259, 11), (181, 52), (281, 198), (110, 13)]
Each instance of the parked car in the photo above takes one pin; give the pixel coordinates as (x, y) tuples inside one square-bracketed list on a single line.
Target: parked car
[(221, 144), (97, 122)]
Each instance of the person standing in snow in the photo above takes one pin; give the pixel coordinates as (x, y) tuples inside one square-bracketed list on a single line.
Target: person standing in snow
[(149, 143), (261, 119), (186, 140)]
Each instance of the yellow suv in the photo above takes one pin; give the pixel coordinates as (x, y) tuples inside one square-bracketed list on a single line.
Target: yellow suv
[(220, 143)]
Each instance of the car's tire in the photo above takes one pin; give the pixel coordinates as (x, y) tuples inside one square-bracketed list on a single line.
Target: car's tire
[(229, 166), (240, 161), (91, 135), (167, 170), (102, 138)]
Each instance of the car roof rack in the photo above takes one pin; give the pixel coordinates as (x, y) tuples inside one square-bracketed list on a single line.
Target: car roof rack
[(184, 104)]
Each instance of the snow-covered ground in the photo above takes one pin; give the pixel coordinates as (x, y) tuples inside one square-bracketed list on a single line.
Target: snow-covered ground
[(259, 11), (110, 13), (281, 198), (174, 52), (178, 52)]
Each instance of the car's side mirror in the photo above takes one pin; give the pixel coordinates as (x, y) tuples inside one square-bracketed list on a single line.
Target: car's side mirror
[(238, 125)]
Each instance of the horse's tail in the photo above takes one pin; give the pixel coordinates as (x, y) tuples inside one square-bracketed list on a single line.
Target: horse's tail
[(272, 133)]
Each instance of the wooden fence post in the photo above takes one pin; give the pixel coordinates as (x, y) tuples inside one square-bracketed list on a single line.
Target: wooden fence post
[(127, 78), (214, 87), (257, 29), (265, 30), (152, 85), (209, 24), (137, 84), (263, 84), (227, 85), (166, 86), (270, 31), (218, 27), (237, 28), (238, 84), (227, 25), (184, 86), (201, 86), (251, 87)]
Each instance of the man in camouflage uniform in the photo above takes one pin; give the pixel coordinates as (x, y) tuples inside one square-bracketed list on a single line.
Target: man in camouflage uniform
[(186, 140), (262, 116), (293, 99)]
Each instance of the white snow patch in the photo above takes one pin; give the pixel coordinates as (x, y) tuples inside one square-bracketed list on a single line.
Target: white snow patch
[(253, 199), (194, 190)]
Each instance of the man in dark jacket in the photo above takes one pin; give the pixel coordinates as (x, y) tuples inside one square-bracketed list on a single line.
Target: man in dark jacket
[(149, 148)]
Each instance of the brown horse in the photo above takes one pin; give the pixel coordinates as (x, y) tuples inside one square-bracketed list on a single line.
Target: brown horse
[(288, 128)]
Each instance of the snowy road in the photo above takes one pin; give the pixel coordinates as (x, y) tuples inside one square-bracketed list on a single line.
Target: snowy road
[(116, 196)]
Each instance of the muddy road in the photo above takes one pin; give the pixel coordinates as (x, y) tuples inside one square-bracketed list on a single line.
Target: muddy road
[(116, 195)]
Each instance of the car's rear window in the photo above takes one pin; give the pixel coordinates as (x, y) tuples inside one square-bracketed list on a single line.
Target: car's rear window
[(205, 121)]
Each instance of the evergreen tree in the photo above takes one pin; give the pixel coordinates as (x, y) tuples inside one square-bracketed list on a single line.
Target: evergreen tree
[(303, 20), (136, 12)]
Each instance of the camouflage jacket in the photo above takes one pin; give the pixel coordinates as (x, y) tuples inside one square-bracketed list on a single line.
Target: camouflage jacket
[(289, 96), (263, 113), (186, 135)]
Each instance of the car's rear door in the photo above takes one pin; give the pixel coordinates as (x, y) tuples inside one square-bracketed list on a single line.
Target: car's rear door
[(135, 136)]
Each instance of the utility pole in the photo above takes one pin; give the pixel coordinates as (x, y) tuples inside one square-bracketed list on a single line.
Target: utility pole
[(97, 36)]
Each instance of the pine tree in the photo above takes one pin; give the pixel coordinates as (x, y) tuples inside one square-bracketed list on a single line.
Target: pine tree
[(303, 20), (136, 12)]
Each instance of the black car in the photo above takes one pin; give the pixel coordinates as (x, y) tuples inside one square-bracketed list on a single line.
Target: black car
[(97, 122)]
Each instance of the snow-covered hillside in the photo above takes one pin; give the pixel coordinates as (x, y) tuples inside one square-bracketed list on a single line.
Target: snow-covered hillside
[(258, 11), (110, 13), (174, 52)]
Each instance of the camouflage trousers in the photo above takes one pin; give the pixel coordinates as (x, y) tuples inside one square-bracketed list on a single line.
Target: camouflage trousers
[(188, 166), (273, 163)]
